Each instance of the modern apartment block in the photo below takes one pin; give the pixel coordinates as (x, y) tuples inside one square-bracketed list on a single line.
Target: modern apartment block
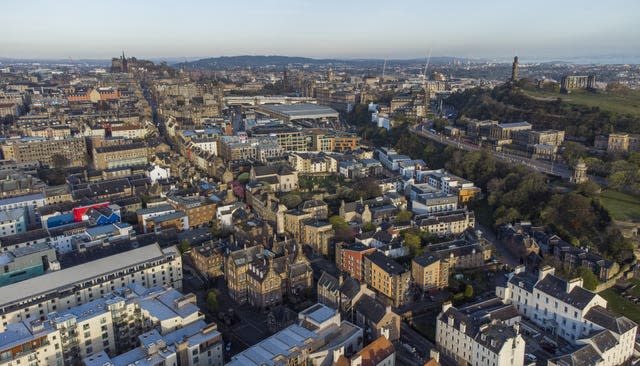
[(112, 325), (319, 337), (32, 299), (387, 277)]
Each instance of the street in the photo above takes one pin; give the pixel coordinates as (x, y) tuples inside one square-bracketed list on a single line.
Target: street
[(552, 168)]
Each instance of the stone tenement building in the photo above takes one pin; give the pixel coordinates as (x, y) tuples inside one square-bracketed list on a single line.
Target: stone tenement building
[(45, 151), (106, 157), (263, 278)]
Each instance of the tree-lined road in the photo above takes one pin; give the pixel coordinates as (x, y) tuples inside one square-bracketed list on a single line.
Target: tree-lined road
[(555, 169)]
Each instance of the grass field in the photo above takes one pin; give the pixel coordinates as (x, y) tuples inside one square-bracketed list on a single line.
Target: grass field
[(621, 305), (625, 104), (621, 206)]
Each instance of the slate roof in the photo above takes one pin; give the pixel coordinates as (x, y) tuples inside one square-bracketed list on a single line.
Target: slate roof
[(555, 286), (370, 308), (616, 323), (585, 356)]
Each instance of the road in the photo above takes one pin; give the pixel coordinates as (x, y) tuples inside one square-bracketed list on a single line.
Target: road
[(503, 254), (555, 169)]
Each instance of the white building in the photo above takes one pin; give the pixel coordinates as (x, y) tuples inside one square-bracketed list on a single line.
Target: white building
[(197, 344), (27, 343), (156, 173), (319, 339), (111, 324), (32, 299), (13, 221), (390, 159), (30, 202), (571, 312), (481, 334), (434, 202)]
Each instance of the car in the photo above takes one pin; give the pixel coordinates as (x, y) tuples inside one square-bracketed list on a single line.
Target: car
[(530, 356)]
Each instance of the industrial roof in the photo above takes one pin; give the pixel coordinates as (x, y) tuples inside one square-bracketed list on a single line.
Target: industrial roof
[(302, 110)]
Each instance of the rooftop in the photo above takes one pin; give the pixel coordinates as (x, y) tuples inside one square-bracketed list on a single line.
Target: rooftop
[(53, 281)]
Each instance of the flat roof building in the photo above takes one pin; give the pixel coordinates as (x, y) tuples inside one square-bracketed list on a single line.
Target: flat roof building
[(302, 111), (149, 266)]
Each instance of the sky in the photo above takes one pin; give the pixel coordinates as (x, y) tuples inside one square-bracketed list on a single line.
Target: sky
[(488, 29)]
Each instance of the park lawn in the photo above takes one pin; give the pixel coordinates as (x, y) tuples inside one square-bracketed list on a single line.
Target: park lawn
[(621, 305), (621, 206), (624, 104)]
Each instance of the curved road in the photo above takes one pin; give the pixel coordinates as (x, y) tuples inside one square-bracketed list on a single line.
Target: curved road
[(556, 169)]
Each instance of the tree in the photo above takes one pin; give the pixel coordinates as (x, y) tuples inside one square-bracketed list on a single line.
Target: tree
[(291, 200), (338, 222), (185, 246), (404, 216), (212, 301), (589, 279), (368, 226), (367, 188), (413, 242), (468, 291), (60, 161), (243, 178)]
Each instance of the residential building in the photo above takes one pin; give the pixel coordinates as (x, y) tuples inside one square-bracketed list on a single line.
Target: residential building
[(430, 272), (350, 258), (61, 290), (319, 338), (376, 319), (307, 163), (318, 235), (23, 240), (485, 333), (145, 214), (279, 178), (46, 151), (289, 138), (446, 223), (111, 325), (199, 210), (31, 202), (116, 156), (434, 202), (28, 262), (380, 352), (564, 308), (178, 221), (197, 344), (462, 253), (390, 159), (340, 293), (13, 221), (387, 277), (208, 258)]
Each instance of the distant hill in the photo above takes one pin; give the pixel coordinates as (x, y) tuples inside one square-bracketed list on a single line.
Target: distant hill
[(226, 62)]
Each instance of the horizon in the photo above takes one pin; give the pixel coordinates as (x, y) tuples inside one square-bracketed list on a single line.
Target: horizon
[(410, 29), (172, 60)]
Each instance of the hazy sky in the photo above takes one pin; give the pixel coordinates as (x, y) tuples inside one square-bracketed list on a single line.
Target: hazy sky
[(319, 28)]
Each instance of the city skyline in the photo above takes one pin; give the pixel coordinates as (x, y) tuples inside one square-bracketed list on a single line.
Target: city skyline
[(195, 29)]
